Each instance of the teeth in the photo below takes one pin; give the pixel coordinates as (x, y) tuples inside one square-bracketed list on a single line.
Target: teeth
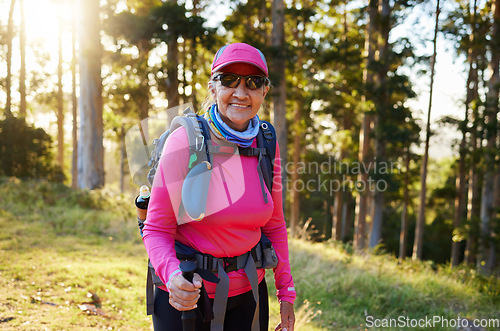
[(238, 106)]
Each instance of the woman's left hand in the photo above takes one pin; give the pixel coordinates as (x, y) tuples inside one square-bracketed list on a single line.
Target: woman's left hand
[(287, 317)]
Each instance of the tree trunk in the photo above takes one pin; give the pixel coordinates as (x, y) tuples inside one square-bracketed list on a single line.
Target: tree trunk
[(383, 106), (279, 94), (194, 61), (22, 74), (474, 194), (90, 147), (10, 36), (297, 136), (337, 215), (123, 156), (460, 183), (346, 216), (403, 235), (339, 212), (74, 105), (60, 100), (361, 198), (144, 48), (459, 197), (486, 258), (172, 80), (419, 231), (473, 185), (364, 134)]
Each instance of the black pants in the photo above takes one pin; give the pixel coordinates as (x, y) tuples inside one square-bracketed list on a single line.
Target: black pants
[(239, 312)]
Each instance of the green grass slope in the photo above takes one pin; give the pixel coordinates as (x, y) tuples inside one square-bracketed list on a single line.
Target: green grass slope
[(71, 260)]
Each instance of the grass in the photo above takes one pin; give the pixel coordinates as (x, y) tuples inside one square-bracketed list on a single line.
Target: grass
[(60, 249)]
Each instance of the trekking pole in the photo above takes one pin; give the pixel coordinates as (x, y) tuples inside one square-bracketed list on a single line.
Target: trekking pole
[(188, 316)]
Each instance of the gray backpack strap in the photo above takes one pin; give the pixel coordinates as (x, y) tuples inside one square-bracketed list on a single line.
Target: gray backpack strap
[(222, 290), (152, 281), (195, 137), (251, 272)]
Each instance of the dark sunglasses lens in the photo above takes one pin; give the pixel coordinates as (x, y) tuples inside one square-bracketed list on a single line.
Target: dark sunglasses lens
[(255, 82), (229, 80)]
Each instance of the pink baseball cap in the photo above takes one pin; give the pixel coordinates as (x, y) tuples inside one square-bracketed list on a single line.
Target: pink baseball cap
[(239, 52)]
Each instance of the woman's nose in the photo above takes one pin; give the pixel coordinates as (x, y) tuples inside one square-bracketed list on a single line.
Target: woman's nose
[(241, 90)]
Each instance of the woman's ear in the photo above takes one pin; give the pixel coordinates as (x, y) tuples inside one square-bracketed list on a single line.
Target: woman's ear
[(266, 89), (212, 89)]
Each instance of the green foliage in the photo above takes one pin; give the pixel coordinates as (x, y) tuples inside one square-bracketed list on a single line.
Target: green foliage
[(65, 210), (26, 151), (345, 287)]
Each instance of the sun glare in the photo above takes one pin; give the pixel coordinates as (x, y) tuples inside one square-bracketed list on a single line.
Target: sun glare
[(42, 21)]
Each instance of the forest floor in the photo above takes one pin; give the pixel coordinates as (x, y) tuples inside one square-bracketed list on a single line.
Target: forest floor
[(71, 260)]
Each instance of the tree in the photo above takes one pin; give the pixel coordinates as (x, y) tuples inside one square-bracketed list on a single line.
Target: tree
[(60, 97), (90, 145), (460, 183), (487, 251), (419, 231), (26, 151), (365, 132), (383, 105), (279, 91), (10, 36), (74, 103), (403, 234), (22, 75)]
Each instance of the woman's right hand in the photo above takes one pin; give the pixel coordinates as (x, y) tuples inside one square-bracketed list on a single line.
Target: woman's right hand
[(183, 295)]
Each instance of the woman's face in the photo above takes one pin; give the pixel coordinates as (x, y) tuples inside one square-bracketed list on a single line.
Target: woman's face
[(239, 104)]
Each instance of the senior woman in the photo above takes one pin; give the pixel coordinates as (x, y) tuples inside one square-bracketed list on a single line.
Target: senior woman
[(238, 209)]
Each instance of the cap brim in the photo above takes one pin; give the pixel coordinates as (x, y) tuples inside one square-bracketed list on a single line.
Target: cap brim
[(219, 67)]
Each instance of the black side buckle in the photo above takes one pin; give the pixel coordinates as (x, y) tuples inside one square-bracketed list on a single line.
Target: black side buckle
[(230, 264)]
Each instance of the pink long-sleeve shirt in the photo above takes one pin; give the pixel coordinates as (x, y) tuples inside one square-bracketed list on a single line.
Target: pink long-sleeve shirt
[(235, 215)]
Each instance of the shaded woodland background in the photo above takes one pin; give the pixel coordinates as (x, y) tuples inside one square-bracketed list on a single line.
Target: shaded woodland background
[(339, 102)]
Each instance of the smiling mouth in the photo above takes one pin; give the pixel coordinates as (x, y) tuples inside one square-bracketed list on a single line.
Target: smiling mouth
[(239, 106)]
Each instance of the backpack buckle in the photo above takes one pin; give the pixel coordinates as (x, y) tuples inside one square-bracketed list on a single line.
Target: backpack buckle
[(199, 145), (230, 264)]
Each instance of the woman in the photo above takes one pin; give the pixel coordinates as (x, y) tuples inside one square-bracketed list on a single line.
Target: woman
[(236, 210)]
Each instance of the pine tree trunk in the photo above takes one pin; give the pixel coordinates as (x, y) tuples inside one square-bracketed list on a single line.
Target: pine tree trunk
[(364, 135), (60, 100), (403, 235), (459, 197), (123, 156), (144, 49), (473, 205), (361, 198), (90, 147), (279, 91), (339, 212), (10, 36), (472, 181), (486, 258), (461, 183), (172, 72), (22, 74), (297, 136), (337, 216), (419, 231), (74, 106), (383, 105)]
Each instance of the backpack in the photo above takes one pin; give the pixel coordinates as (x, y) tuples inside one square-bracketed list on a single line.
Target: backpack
[(201, 149)]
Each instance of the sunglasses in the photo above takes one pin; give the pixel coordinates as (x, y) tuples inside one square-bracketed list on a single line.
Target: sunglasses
[(233, 80)]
